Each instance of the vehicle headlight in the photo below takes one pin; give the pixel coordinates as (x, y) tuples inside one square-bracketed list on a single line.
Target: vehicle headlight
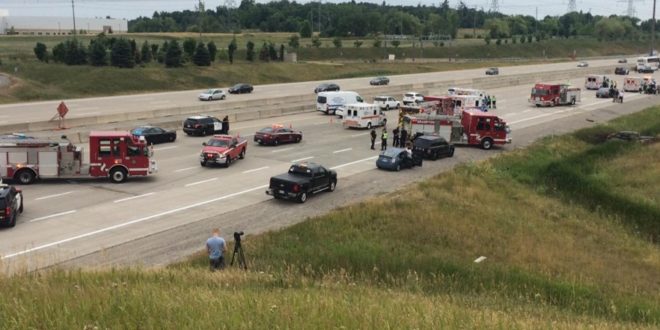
[(393, 160), (221, 155)]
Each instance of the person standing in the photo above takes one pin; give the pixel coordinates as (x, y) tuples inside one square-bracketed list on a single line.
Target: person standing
[(395, 136), (404, 137), (383, 140), (373, 138), (494, 100), (225, 125), (489, 103), (216, 248)]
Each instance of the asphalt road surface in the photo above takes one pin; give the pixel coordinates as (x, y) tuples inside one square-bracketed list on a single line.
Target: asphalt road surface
[(159, 219)]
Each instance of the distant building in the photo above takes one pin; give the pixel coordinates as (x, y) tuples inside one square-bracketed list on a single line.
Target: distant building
[(34, 25)]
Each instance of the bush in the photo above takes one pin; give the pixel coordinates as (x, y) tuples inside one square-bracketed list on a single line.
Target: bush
[(146, 52), (201, 56), (121, 54), (281, 55), (316, 41), (357, 43), (272, 52), (98, 55), (442, 43), (174, 55), (162, 52), (377, 43), (306, 29), (58, 52), (294, 41), (213, 50), (396, 43), (513, 40), (263, 53), (487, 40), (249, 53), (530, 38), (498, 42), (467, 36), (231, 49), (41, 52), (154, 50), (506, 41), (189, 46), (337, 42)]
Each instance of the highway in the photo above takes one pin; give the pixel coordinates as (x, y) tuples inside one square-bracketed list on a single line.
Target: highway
[(90, 107), (65, 220)]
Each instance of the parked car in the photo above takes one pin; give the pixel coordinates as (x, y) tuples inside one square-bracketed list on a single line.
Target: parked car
[(11, 204), (492, 72), (583, 65), (302, 180), (604, 92), (645, 69), (154, 134), (326, 87), (432, 147), (386, 102), (379, 81), (623, 60), (202, 125), (212, 94), (621, 71), (412, 97), (276, 135), (241, 89), (396, 158), (222, 150)]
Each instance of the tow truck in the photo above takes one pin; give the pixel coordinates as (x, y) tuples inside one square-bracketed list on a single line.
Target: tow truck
[(112, 154), (222, 149)]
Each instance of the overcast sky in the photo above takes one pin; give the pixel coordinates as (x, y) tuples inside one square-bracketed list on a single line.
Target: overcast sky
[(133, 8)]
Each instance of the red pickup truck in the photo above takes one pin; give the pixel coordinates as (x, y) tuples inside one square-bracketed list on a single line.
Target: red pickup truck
[(222, 149)]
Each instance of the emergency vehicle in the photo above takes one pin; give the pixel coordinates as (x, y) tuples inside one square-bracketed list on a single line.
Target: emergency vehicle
[(634, 84), (594, 81), (554, 94), (115, 155), (472, 127), (361, 115), (466, 91)]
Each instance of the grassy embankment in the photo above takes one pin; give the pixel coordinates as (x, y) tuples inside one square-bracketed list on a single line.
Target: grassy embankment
[(41, 81), (569, 227)]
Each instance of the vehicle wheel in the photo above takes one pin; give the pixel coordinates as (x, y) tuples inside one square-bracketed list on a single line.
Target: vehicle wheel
[(276, 142), (387, 107), (369, 125), (298, 139), (25, 176), (209, 99), (242, 154), (398, 167), (20, 208), (487, 144), (228, 161), (302, 198), (172, 138), (435, 156), (572, 101), (538, 105), (203, 163), (333, 186), (117, 175), (223, 97), (451, 152), (12, 223)]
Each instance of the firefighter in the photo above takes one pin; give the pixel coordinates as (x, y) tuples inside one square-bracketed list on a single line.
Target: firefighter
[(225, 125), (383, 139), (395, 136), (373, 138), (404, 137), (494, 100)]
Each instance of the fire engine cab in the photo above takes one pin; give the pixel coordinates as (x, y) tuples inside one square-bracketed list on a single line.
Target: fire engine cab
[(552, 95), (115, 155), (472, 127)]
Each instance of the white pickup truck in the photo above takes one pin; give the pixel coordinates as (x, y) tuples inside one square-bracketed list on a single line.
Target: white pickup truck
[(386, 102)]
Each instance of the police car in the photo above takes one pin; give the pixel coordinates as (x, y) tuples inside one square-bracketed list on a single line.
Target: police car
[(11, 204)]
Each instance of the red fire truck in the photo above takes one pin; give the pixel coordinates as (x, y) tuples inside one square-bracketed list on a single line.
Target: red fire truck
[(115, 155), (472, 127), (552, 95)]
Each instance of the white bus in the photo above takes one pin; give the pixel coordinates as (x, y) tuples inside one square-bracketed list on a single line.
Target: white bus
[(651, 61)]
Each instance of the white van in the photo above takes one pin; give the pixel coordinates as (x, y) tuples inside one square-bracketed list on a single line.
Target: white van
[(330, 102), (594, 81), (363, 115)]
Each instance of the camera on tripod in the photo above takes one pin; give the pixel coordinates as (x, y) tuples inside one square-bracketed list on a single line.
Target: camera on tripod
[(238, 250), (237, 235)]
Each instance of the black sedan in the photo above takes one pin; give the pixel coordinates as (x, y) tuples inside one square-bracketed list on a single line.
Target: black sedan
[(492, 72), (621, 71), (395, 159), (241, 89), (326, 87), (154, 134), (379, 81)]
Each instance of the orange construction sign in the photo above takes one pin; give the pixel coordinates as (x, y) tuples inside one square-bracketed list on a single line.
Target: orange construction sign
[(62, 109)]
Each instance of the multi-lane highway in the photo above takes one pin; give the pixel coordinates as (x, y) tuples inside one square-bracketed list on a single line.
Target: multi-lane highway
[(68, 219)]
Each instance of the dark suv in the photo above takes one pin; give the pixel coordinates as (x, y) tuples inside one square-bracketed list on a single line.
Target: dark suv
[(11, 205), (432, 147), (202, 125)]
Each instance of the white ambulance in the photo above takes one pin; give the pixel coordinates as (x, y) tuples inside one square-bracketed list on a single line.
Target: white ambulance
[(363, 115), (594, 81)]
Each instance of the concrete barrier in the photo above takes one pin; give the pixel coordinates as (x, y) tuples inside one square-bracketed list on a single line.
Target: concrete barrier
[(286, 105)]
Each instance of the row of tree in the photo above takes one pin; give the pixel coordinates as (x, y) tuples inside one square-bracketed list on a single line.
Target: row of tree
[(125, 53), (353, 19)]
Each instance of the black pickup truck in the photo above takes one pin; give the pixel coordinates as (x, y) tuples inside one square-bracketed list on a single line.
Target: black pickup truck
[(302, 180)]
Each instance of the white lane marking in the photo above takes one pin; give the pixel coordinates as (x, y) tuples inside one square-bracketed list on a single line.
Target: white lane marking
[(286, 121), (83, 109), (159, 102), (200, 182), (134, 197), (352, 163), (86, 113), (165, 148), (52, 216), (282, 150), (255, 170), (301, 159), (361, 134), (342, 150), (575, 109), (185, 169), (121, 225), (53, 196)]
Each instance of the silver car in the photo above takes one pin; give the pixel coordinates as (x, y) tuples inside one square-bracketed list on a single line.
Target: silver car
[(212, 94), (583, 65)]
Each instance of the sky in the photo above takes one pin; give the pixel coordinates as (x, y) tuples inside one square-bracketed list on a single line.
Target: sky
[(130, 9)]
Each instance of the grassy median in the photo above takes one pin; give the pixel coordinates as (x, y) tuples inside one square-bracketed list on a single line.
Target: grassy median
[(569, 227)]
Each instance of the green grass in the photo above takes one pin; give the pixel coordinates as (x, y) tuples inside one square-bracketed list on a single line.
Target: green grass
[(560, 255)]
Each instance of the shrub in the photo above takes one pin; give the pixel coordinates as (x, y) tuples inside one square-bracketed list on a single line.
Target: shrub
[(121, 54), (263, 53), (98, 55), (337, 42), (231, 49), (498, 42), (487, 40), (396, 43), (294, 41), (189, 46), (357, 43), (316, 41), (249, 54), (377, 43), (174, 54), (41, 52), (146, 52), (154, 50), (213, 50), (530, 38), (272, 52), (306, 29), (201, 56)]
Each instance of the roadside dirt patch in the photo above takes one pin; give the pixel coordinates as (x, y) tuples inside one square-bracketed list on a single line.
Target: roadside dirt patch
[(5, 82)]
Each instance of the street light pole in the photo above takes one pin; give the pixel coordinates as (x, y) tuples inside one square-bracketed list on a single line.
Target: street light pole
[(653, 30), (73, 10)]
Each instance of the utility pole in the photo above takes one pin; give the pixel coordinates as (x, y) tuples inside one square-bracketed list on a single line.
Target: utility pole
[(320, 4), (474, 23), (73, 10), (653, 30), (536, 21)]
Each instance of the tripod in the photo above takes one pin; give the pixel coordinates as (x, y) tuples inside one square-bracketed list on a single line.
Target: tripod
[(238, 250)]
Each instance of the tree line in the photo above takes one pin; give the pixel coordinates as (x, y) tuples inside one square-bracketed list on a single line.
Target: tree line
[(353, 19), (126, 53)]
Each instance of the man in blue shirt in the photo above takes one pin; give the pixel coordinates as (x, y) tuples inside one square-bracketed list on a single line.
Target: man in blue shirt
[(216, 248)]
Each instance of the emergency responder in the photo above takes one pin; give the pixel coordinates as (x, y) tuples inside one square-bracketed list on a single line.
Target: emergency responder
[(373, 138), (395, 136), (383, 139), (494, 100), (621, 96), (225, 125), (404, 137)]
